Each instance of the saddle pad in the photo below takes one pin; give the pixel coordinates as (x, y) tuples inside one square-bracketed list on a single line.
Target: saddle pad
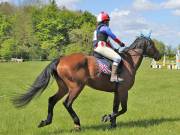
[(104, 67)]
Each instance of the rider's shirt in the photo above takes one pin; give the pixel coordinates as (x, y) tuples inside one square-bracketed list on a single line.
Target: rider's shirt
[(102, 33)]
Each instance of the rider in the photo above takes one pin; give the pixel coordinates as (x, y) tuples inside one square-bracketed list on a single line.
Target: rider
[(103, 46)]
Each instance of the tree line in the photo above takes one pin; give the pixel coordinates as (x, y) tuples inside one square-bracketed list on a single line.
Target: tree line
[(45, 31), (167, 50)]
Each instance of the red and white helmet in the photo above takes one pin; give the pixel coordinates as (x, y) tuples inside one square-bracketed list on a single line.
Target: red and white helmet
[(103, 16)]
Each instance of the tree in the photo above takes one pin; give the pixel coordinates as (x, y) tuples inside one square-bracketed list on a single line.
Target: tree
[(7, 49), (44, 30), (81, 39), (87, 17), (23, 34), (50, 30), (160, 45), (5, 27), (7, 9), (170, 51), (178, 47)]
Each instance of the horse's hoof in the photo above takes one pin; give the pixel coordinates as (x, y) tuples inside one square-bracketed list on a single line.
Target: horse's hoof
[(106, 118), (43, 123), (77, 127), (113, 126)]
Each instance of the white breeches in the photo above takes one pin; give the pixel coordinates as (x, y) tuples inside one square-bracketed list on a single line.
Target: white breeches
[(107, 52)]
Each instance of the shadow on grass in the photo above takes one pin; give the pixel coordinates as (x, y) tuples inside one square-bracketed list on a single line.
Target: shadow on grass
[(146, 122), (129, 124)]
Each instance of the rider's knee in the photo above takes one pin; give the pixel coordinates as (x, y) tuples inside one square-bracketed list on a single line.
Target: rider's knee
[(117, 59)]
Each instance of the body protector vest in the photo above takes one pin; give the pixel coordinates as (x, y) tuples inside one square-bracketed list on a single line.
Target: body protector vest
[(99, 35)]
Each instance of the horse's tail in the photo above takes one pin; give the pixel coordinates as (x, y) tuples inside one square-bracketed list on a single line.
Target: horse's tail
[(39, 84)]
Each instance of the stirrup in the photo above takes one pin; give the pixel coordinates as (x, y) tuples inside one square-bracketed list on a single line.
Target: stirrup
[(120, 79), (116, 79)]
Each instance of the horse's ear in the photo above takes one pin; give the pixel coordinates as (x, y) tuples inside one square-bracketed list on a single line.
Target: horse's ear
[(150, 32), (146, 33)]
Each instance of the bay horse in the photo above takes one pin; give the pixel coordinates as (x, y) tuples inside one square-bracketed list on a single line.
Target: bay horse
[(74, 71)]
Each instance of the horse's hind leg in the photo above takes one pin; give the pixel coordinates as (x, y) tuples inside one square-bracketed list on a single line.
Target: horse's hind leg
[(73, 93), (52, 102)]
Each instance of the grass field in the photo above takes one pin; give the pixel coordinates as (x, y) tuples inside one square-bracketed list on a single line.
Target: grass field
[(153, 105)]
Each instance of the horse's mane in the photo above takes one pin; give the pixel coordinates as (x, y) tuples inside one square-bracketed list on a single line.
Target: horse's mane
[(136, 44), (133, 45)]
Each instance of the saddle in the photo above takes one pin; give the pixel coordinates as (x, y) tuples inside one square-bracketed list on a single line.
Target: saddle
[(105, 64)]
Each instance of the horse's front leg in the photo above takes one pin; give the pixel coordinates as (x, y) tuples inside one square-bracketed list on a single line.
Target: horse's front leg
[(109, 117), (115, 109), (120, 97)]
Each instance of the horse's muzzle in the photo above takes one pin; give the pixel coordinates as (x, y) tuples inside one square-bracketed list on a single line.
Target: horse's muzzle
[(157, 56)]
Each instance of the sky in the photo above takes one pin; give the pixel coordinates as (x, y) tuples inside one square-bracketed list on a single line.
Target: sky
[(130, 17)]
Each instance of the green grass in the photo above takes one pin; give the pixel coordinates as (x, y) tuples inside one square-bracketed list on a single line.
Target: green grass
[(153, 105)]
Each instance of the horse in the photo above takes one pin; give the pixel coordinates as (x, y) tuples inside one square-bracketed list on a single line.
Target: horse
[(73, 72)]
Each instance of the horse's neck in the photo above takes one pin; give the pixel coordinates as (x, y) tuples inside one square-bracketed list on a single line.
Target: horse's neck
[(136, 58), (137, 61)]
